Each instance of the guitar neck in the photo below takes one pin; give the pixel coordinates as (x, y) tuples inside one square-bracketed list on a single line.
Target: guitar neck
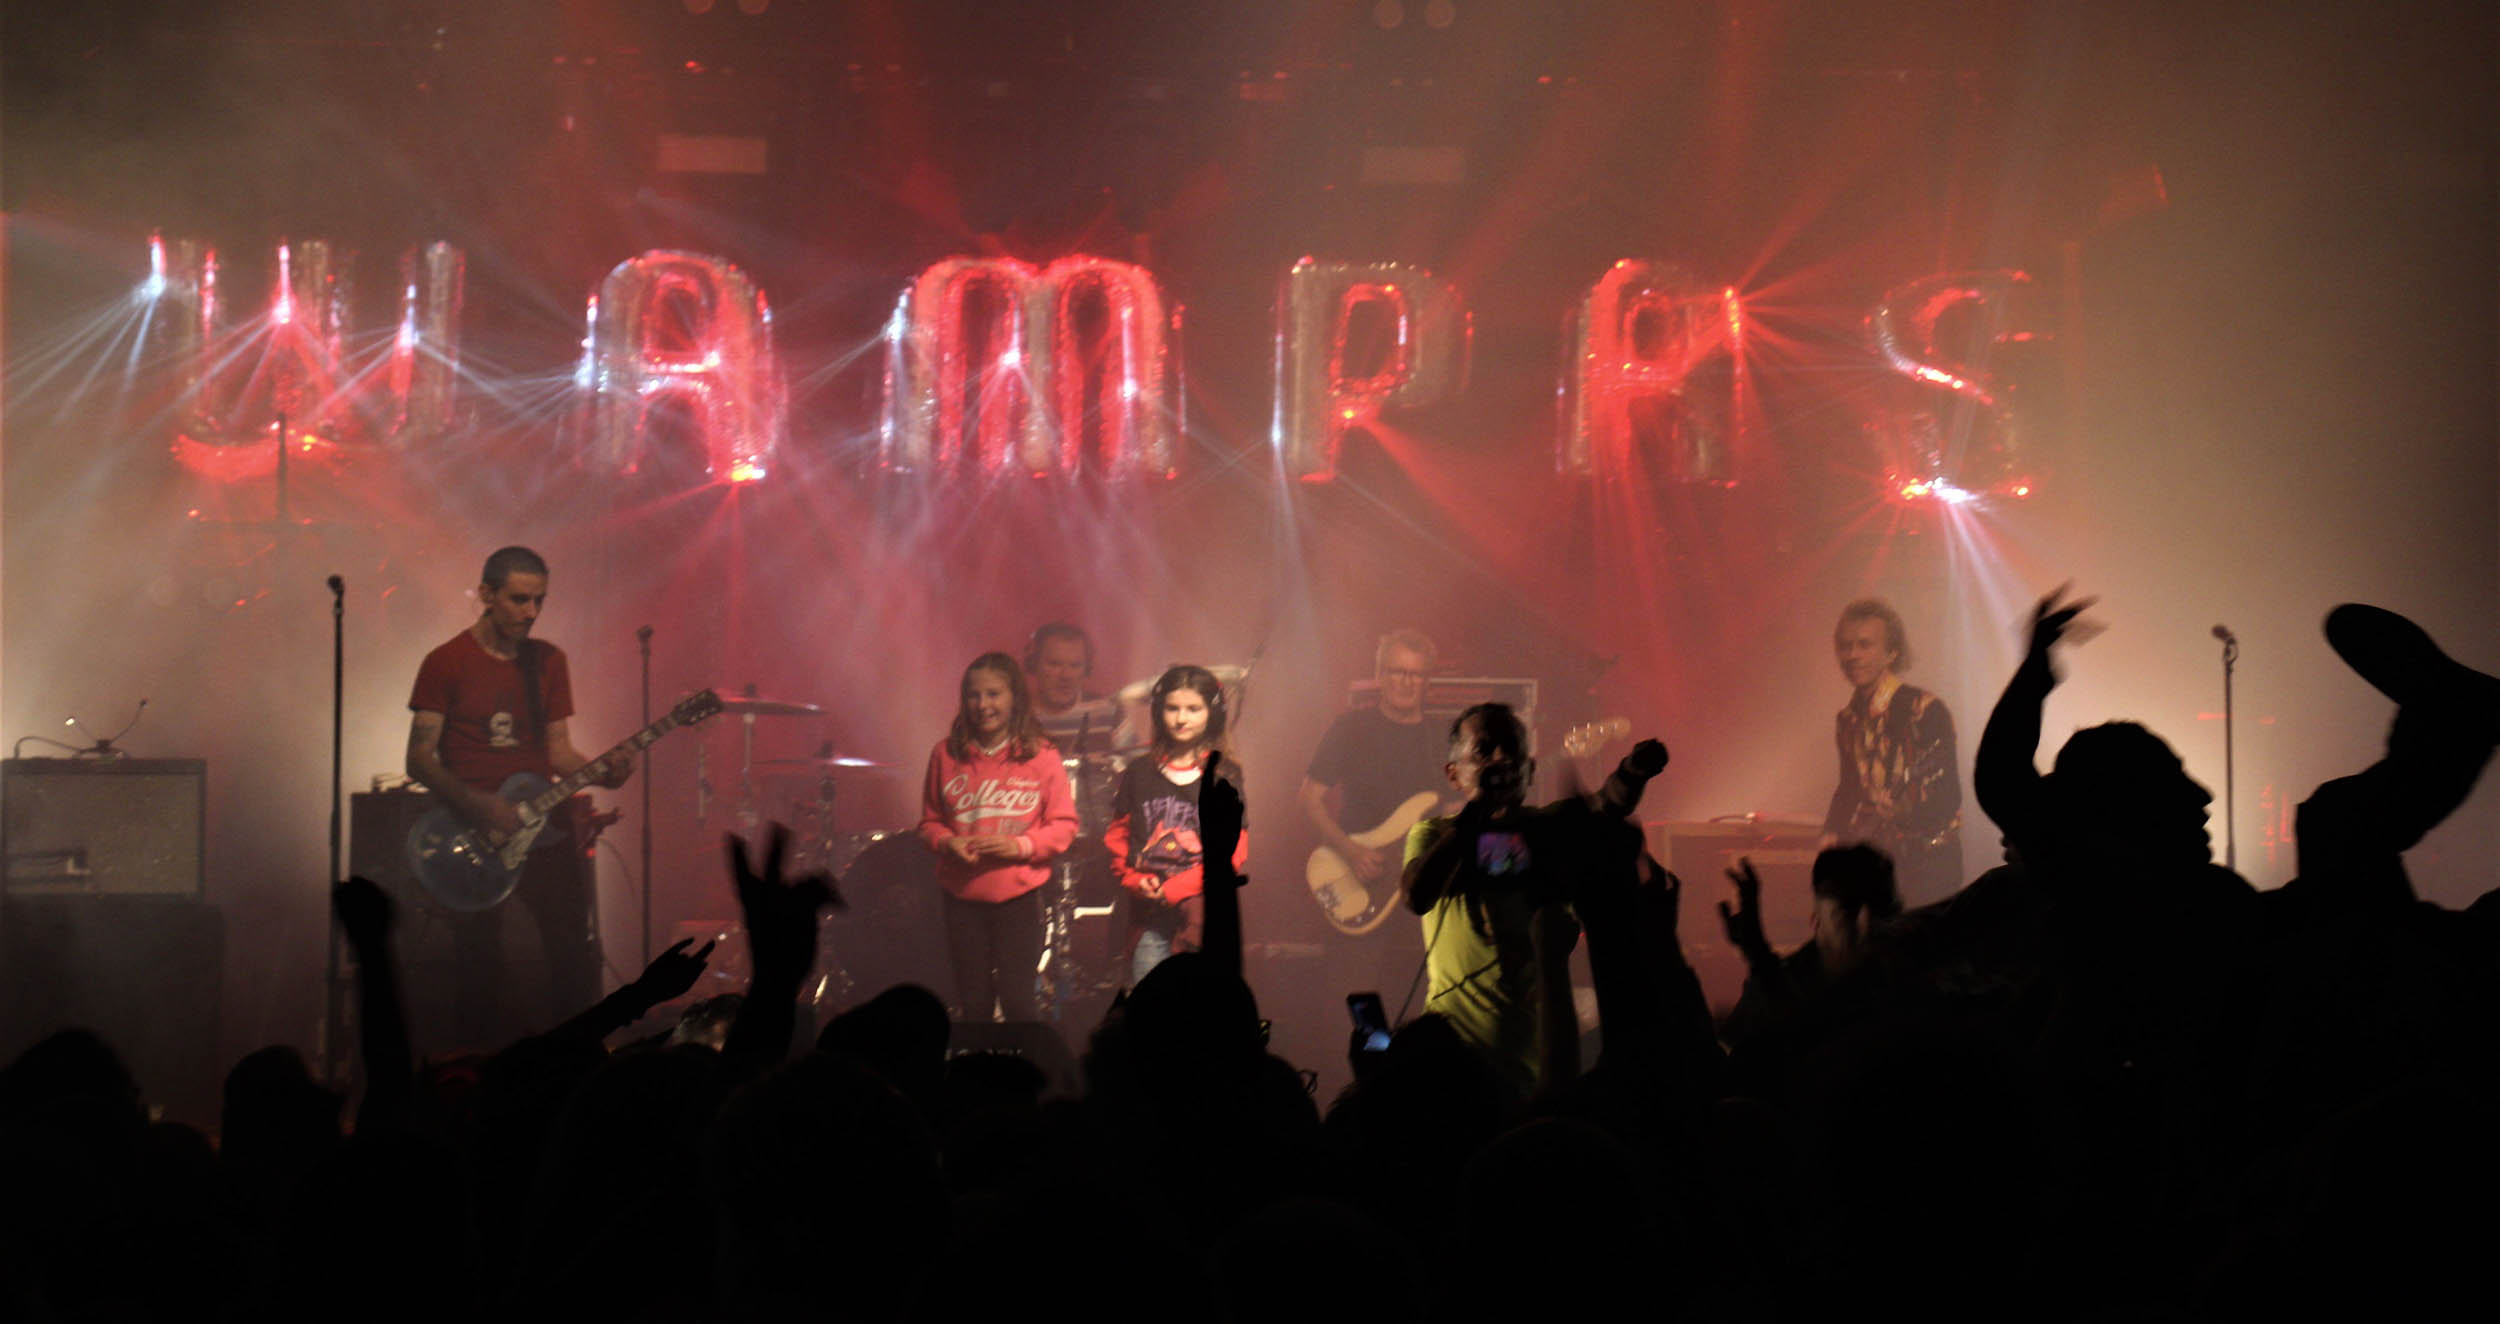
[(580, 777)]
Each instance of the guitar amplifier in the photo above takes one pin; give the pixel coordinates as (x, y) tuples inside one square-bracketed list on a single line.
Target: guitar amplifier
[(78, 827), (1701, 853), (1445, 697), (377, 839)]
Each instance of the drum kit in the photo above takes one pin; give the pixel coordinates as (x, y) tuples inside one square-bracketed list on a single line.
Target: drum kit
[(892, 931)]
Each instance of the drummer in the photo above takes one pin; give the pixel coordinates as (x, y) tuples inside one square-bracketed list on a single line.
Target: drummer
[(1058, 660)]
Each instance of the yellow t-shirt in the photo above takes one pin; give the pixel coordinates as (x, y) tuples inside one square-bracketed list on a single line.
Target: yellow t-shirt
[(1484, 984)]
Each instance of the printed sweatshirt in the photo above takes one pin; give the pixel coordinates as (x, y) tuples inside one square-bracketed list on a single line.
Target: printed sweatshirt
[(997, 795), (1153, 834)]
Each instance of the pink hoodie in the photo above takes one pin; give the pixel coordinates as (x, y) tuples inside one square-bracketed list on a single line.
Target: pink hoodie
[(997, 796)]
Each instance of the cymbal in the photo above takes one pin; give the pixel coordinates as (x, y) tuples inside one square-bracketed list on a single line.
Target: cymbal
[(832, 763), (1225, 673), (754, 705)]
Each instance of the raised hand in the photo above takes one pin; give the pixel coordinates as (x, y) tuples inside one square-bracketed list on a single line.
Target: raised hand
[(364, 912), (780, 912), (1744, 919), (1220, 813), (2054, 619), (1648, 758), (670, 973)]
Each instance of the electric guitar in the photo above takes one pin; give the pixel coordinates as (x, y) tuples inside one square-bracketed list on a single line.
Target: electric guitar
[(468, 868), (1341, 893)]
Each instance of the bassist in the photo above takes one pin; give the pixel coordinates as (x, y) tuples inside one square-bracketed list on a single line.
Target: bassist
[(1372, 763), (488, 703)]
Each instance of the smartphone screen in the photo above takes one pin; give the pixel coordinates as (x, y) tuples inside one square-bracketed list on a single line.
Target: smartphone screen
[(1371, 1019), (1501, 854)]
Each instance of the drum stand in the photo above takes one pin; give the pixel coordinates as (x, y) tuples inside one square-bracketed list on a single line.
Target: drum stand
[(1067, 978)]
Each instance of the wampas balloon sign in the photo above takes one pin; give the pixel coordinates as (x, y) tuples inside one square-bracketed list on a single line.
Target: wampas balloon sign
[(995, 367)]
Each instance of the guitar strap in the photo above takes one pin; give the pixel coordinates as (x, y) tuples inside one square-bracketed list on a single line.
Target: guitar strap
[(561, 823), (530, 695)]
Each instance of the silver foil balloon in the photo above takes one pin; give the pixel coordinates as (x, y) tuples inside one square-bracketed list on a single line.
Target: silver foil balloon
[(1122, 360), (1650, 376), (995, 367), (1317, 399), (953, 402), (308, 318), (182, 330), (691, 329), (425, 353), (1958, 427)]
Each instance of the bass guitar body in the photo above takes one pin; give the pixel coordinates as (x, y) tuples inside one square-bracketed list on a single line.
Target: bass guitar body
[(1349, 904)]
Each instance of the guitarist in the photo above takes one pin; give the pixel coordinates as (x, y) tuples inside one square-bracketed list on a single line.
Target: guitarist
[(1900, 785), (489, 703), (1371, 762)]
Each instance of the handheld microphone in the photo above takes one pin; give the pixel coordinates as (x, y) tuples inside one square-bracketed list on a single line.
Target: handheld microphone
[(338, 586), (2223, 633), (644, 634)]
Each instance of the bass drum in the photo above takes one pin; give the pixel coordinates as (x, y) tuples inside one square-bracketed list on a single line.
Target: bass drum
[(893, 931)]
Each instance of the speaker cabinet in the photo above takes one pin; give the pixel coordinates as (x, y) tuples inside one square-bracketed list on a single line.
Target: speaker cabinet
[(377, 840), (143, 971), (85, 827)]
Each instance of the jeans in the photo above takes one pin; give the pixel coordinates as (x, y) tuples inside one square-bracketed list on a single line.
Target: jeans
[(1158, 930), (996, 949)]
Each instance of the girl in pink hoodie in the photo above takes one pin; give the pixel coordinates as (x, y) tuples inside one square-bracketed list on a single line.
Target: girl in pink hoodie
[(996, 809)]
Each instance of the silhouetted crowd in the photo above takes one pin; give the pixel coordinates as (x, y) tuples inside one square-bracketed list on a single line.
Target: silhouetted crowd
[(2106, 1080)]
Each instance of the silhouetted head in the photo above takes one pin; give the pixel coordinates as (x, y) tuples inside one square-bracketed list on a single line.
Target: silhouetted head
[(901, 1034), (2124, 794), (68, 1065), (827, 1192), (1192, 1022), (275, 1110)]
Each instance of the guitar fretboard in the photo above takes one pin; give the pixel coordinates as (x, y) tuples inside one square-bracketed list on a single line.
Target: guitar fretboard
[(580, 777)]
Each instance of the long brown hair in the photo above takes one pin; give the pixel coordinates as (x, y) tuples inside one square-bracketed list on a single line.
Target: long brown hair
[(1186, 677), (1024, 731)]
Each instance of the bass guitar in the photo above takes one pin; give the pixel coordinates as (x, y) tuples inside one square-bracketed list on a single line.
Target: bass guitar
[(1349, 904), (467, 868)]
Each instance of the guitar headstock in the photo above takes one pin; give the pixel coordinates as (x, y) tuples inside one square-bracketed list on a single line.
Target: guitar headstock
[(1581, 741), (696, 707)]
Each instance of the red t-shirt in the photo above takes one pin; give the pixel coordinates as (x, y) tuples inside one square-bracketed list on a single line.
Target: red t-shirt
[(486, 726)]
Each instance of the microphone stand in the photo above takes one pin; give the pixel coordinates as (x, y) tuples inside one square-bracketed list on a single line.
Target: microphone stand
[(2230, 797), (337, 1005), (643, 636)]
